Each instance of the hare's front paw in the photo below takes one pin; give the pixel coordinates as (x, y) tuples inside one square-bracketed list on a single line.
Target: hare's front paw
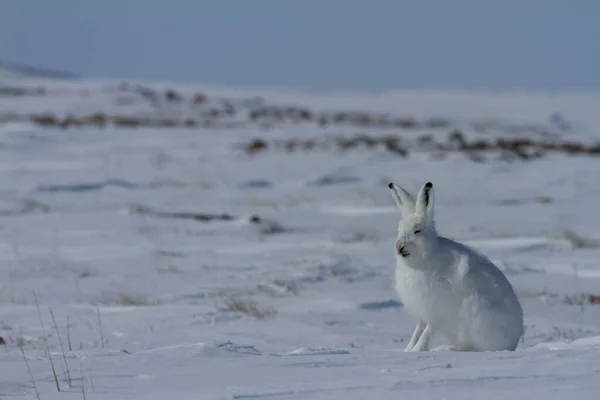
[(415, 336)]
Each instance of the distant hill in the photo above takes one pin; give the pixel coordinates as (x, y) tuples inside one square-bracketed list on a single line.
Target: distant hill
[(16, 70)]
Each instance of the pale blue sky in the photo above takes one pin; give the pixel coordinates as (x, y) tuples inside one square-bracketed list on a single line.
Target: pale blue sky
[(314, 44)]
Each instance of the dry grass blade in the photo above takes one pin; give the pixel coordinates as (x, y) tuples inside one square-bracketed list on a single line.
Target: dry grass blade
[(69, 335), (100, 328), (82, 379), (37, 304), (61, 348), (20, 344)]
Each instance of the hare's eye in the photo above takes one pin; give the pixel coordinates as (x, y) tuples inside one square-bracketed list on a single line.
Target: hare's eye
[(417, 231)]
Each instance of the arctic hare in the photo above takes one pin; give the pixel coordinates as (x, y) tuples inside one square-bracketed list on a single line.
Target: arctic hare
[(449, 287)]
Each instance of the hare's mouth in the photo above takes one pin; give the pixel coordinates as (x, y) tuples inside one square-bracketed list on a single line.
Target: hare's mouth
[(402, 251)]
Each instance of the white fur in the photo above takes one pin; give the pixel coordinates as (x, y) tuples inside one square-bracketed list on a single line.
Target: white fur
[(450, 288)]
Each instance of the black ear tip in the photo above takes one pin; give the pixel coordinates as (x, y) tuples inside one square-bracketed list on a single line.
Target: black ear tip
[(429, 185), (390, 185)]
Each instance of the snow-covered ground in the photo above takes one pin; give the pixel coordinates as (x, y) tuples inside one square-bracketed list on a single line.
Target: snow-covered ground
[(289, 295)]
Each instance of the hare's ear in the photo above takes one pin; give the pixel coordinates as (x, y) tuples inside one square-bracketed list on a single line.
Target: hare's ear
[(424, 205), (405, 202)]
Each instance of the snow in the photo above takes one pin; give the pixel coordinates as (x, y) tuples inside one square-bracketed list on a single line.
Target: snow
[(89, 223)]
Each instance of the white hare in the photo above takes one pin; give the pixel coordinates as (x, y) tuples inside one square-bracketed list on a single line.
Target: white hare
[(449, 287)]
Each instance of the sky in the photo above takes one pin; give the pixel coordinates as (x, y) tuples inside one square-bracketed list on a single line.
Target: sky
[(314, 44)]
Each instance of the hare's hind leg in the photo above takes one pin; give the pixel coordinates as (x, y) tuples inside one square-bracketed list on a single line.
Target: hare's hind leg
[(423, 342), (415, 336)]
